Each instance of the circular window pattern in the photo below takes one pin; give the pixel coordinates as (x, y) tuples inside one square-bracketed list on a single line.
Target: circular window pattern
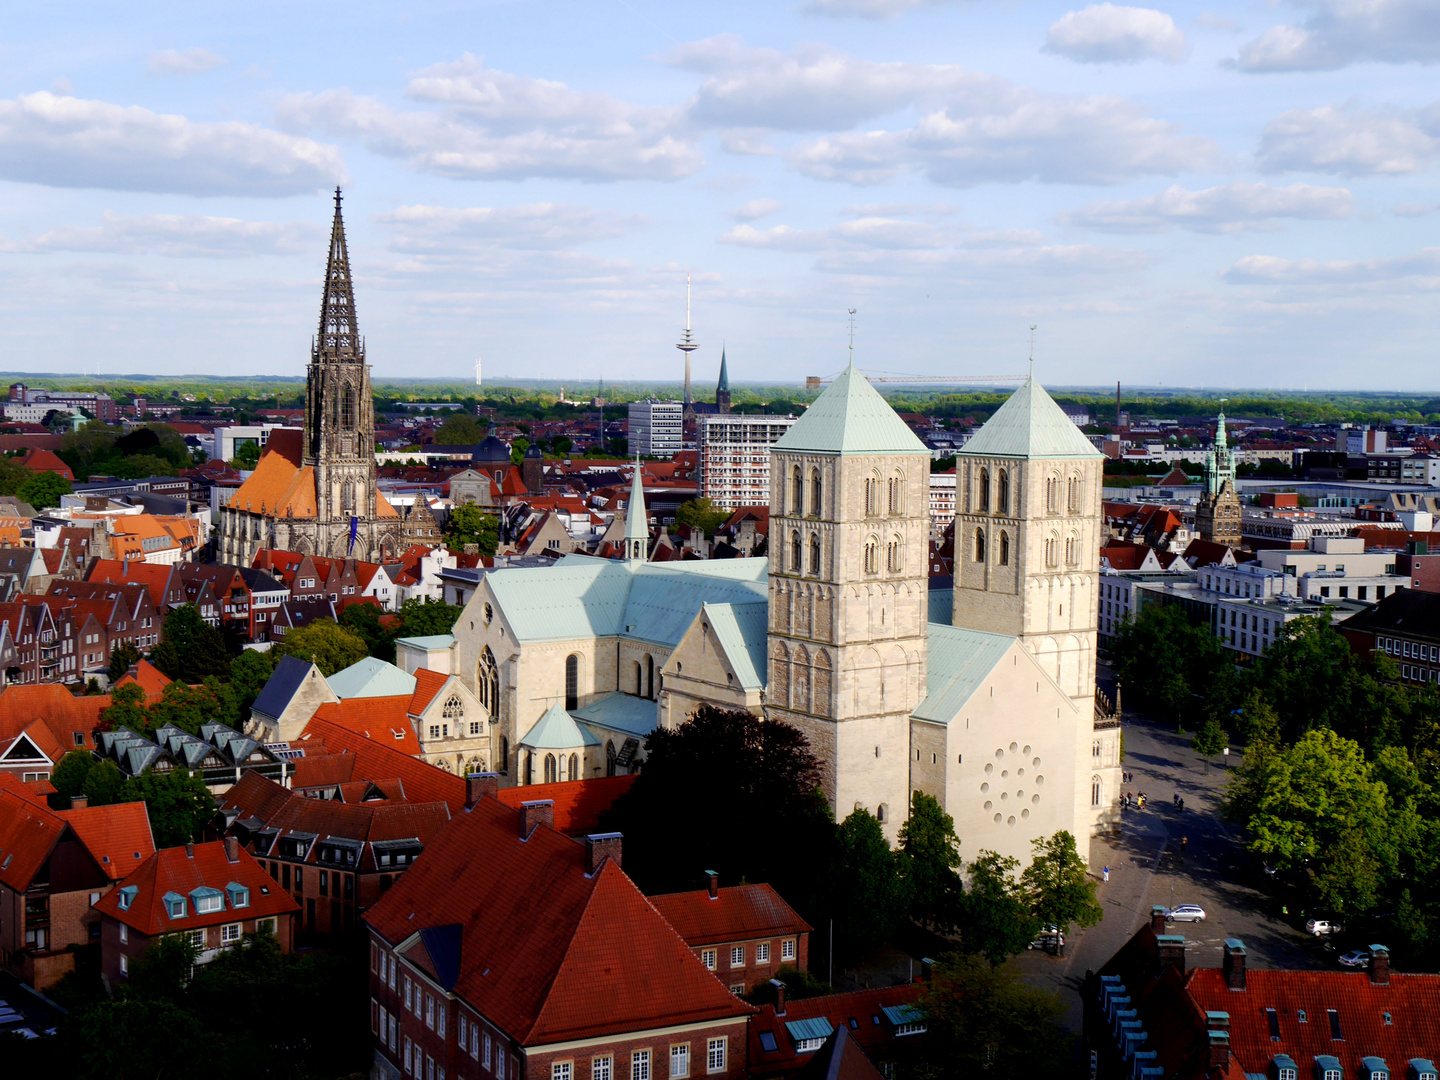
[(1026, 750), (999, 818), (999, 753), (1010, 820), (1036, 762), (989, 805), (1004, 773), (984, 787), (1020, 794), (1039, 781), (1004, 795), (1024, 813), (1019, 772), (1014, 747), (989, 768), (1034, 798)]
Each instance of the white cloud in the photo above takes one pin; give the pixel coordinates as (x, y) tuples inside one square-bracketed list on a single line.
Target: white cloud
[(1109, 34), (71, 142), (189, 62), (1269, 269), (494, 125), (1350, 140), (175, 235), (971, 127), (757, 208), (1235, 207), (1342, 32), (1413, 209), (870, 9), (437, 229)]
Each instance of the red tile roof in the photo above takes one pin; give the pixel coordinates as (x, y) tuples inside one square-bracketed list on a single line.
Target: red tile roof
[(28, 833), (594, 959), (34, 791), (172, 870), (382, 719), (578, 803), (427, 684), (50, 707), (148, 677), (118, 836), (737, 913), (377, 761), (46, 461), (864, 1007)]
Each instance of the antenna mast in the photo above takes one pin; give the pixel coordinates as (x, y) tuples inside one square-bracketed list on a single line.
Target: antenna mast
[(687, 344), (1032, 350), (851, 313)]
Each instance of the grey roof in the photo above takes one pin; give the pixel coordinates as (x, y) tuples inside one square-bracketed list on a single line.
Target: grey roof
[(621, 713), (942, 606), (741, 630), (851, 417), (490, 451), (958, 662), (557, 730), (371, 678), (288, 677), (432, 641), (637, 522), (1030, 425)]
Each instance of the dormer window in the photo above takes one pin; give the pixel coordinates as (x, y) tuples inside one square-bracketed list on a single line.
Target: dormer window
[(207, 901), (127, 897), (175, 905), (239, 895)]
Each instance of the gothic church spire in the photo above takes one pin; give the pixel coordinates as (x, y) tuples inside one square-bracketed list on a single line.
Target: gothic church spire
[(339, 338)]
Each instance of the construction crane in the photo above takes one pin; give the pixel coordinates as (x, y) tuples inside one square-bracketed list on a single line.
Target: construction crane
[(814, 382)]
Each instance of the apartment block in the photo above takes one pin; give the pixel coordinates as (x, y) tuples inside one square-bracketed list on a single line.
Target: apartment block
[(735, 457), (657, 428)]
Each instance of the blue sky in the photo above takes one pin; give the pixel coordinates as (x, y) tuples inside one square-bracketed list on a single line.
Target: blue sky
[(1224, 193)]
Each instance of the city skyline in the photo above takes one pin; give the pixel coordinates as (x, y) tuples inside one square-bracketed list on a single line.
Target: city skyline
[(1224, 188)]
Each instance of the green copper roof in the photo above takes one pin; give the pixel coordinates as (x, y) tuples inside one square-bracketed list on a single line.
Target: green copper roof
[(371, 678), (1030, 425), (741, 630), (851, 417), (624, 714), (957, 665), (431, 641), (637, 524), (724, 383), (557, 730)]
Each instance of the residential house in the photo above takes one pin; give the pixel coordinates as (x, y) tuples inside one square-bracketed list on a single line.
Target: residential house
[(294, 614), (40, 724), (1404, 626), (219, 755), (290, 697), (743, 933), (215, 894), (791, 1037), (131, 616)]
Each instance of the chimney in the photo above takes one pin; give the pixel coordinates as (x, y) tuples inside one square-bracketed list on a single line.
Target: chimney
[(1233, 963), (1157, 919), (232, 849), (714, 884), (480, 784), (79, 802), (602, 846), (1379, 965), (537, 812), (189, 851), (1170, 949), (779, 996), (1220, 1050)]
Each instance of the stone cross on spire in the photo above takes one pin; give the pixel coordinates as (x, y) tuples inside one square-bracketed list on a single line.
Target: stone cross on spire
[(339, 338)]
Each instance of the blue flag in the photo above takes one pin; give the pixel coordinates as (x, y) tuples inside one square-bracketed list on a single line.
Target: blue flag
[(354, 532)]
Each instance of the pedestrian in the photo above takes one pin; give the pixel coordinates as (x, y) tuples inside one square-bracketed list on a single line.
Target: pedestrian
[(1105, 874), (1175, 799), (1182, 805), (1184, 841)]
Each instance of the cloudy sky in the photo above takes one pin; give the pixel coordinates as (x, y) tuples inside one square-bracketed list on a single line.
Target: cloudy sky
[(1221, 193)]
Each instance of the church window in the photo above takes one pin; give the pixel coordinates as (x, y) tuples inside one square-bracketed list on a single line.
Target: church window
[(1004, 549), (347, 407), (1050, 553), (814, 553), (797, 493), (1072, 495), (610, 758), (551, 775), (504, 755), (882, 813), (1072, 552), (980, 545), (897, 494), (1002, 500), (892, 555), (1095, 791), (639, 680), (983, 492), (489, 683), (795, 552), (872, 496), (650, 676), (572, 682), (574, 767), (872, 556), (453, 708), (347, 497), (816, 490)]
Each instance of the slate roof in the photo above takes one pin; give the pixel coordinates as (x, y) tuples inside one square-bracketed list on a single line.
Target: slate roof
[(850, 417), (557, 730), (1412, 612), (371, 678), (288, 677), (594, 959), (737, 913), (1030, 425)]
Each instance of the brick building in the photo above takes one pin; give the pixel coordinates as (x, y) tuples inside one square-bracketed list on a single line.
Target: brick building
[(1406, 627), (471, 977)]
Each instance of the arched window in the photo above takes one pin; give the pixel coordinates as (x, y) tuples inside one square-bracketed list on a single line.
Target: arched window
[(650, 676), (893, 562), (1095, 791), (347, 496), (1050, 543), (454, 709), (1052, 493), (982, 492), (1004, 549), (1002, 494), (795, 552), (528, 773), (610, 758), (897, 494), (979, 545), (1072, 550), (572, 682), (347, 407), (1072, 495), (488, 682), (574, 768), (639, 680), (816, 490), (551, 771), (872, 555), (872, 496), (814, 553), (504, 755), (797, 493), (882, 813)]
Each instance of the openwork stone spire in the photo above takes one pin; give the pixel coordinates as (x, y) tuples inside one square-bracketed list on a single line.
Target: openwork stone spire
[(339, 338)]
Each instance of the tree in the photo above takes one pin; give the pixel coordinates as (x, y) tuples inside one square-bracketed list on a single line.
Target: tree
[(985, 1020), (867, 892), (69, 774), (127, 709), (330, 646), (247, 455), (13, 476), (251, 670), (424, 617), (122, 657), (1174, 666), (43, 490), (1310, 677), (1262, 742), (103, 784), (469, 524), (561, 445), (996, 920), (460, 429), (930, 859), (178, 802), (363, 620), (186, 707), (1211, 739), (190, 648), (701, 514), (517, 450), (1059, 889)]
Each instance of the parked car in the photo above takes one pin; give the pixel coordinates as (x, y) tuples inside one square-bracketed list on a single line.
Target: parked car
[(1186, 913), (1049, 938), (1355, 958), (1321, 927)]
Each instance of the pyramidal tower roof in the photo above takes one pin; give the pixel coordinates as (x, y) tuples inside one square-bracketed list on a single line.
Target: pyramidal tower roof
[(339, 331), (724, 383), (1030, 425), (851, 417)]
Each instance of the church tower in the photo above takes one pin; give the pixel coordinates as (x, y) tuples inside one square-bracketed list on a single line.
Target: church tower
[(1027, 557), (849, 547), (1218, 514), (339, 411), (722, 388)]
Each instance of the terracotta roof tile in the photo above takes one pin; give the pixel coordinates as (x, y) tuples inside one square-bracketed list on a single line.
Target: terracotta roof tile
[(117, 836), (377, 761), (28, 833), (427, 684), (737, 913), (281, 485), (578, 803), (864, 1007), (380, 719), (148, 677)]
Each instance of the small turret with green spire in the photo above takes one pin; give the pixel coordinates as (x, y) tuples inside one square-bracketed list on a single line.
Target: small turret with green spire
[(637, 525)]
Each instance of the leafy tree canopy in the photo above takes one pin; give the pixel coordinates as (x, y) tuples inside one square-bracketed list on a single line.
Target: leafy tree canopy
[(701, 514), (1056, 882), (996, 921), (331, 646), (930, 861), (43, 490), (190, 648), (469, 524), (423, 617)]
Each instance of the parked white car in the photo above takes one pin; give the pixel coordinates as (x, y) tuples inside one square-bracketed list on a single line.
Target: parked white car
[(1186, 913), (1355, 958), (1321, 927)]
